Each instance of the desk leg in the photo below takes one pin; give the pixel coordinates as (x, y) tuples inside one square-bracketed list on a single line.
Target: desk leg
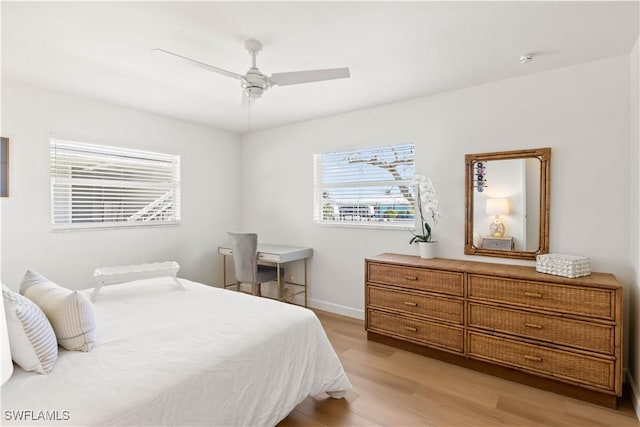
[(224, 272), (305, 282), (280, 286)]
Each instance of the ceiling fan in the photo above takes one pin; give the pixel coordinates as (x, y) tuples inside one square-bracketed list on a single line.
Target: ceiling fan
[(254, 82)]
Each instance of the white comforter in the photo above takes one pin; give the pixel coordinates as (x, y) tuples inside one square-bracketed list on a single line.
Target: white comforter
[(203, 356)]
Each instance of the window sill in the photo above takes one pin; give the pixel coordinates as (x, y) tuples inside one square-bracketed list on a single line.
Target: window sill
[(372, 225), (108, 226)]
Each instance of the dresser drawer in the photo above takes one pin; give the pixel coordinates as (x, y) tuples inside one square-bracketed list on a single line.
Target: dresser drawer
[(570, 367), (421, 279), (449, 337), (583, 301), (584, 335), (423, 305)]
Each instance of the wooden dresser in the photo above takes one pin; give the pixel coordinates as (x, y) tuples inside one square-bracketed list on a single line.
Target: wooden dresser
[(559, 334)]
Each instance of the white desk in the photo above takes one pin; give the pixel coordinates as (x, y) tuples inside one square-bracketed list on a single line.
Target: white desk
[(275, 255)]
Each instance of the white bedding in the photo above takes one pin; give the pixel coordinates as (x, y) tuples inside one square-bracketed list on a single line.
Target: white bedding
[(167, 357)]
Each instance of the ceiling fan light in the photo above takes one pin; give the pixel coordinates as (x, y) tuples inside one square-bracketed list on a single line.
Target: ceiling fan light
[(254, 92)]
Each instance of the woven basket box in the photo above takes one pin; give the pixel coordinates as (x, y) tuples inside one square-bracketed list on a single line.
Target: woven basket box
[(571, 266)]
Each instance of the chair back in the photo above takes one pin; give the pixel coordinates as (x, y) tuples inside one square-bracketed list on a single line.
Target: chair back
[(245, 255)]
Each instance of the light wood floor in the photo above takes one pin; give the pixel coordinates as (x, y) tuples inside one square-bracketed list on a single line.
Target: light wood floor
[(393, 387)]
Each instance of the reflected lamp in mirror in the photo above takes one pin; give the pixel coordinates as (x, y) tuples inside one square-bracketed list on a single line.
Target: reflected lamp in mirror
[(497, 207)]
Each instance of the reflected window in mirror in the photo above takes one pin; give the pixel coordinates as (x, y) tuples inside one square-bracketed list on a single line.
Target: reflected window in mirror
[(507, 195)]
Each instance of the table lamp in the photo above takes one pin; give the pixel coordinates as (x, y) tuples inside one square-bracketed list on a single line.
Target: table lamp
[(497, 207)]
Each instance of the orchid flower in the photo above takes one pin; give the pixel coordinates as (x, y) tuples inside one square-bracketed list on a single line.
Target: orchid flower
[(426, 205)]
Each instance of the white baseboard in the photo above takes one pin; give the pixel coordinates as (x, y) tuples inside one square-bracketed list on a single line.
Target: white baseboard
[(635, 394), (337, 308)]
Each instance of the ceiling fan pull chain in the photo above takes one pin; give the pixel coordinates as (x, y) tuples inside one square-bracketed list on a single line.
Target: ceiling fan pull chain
[(249, 113)]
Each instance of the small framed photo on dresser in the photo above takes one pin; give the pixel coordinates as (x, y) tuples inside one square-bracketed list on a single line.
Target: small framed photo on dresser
[(4, 167)]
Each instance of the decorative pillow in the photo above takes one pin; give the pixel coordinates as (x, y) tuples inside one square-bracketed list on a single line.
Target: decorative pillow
[(71, 313), (7, 364), (31, 338)]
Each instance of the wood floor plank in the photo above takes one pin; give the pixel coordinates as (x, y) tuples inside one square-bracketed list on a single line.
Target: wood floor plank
[(539, 414), (401, 400), (393, 387), (297, 418), (384, 413), (375, 371), (434, 373), (625, 415), (343, 343), (332, 412)]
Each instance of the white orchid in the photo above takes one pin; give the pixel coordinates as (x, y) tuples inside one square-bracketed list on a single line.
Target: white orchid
[(427, 205)]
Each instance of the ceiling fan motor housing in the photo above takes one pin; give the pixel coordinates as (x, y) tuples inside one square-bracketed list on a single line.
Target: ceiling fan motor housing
[(255, 83)]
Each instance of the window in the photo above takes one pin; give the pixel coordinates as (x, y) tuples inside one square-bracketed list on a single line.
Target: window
[(365, 187), (102, 186)]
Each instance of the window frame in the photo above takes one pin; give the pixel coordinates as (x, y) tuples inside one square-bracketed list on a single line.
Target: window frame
[(115, 151), (319, 188)]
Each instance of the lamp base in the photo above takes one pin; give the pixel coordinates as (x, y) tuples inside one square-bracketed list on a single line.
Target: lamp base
[(496, 229)]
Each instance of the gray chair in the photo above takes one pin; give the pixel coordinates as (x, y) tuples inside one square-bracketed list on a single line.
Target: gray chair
[(245, 259)]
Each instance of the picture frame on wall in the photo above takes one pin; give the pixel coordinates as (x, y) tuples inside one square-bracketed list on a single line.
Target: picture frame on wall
[(4, 167)]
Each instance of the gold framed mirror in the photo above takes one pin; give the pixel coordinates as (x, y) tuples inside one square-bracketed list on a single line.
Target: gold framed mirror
[(507, 197)]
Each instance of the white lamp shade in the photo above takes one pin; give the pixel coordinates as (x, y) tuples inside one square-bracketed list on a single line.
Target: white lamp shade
[(497, 206)]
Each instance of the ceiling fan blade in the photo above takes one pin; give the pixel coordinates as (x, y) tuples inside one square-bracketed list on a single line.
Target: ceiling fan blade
[(297, 77), (203, 65)]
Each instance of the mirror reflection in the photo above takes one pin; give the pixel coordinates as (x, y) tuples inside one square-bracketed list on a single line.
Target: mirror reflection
[(506, 214), (507, 203)]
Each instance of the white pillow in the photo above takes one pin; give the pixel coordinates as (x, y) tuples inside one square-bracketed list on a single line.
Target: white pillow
[(71, 313), (31, 338), (7, 364)]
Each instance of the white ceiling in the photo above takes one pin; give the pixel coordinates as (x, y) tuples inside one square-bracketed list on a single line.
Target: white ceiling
[(395, 51)]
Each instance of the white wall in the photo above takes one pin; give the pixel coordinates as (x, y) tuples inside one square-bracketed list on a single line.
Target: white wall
[(633, 312), (1, 242), (582, 112), (209, 174)]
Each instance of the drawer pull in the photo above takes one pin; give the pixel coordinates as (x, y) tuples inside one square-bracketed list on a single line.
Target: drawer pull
[(411, 328), (532, 325), (412, 304), (533, 358), (533, 295), (411, 277)]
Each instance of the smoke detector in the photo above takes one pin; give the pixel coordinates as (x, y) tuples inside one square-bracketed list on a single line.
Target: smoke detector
[(526, 58)]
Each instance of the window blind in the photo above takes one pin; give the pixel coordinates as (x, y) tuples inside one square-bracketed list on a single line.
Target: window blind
[(97, 186), (367, 186)]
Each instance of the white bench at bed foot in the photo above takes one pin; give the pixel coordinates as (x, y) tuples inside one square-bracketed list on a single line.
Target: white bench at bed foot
[(127, 273)]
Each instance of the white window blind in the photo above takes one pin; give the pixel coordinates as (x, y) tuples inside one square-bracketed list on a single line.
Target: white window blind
[(103, 186), (365, 187)]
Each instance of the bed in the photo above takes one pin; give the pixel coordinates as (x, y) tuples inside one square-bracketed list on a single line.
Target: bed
[(202, 356)]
